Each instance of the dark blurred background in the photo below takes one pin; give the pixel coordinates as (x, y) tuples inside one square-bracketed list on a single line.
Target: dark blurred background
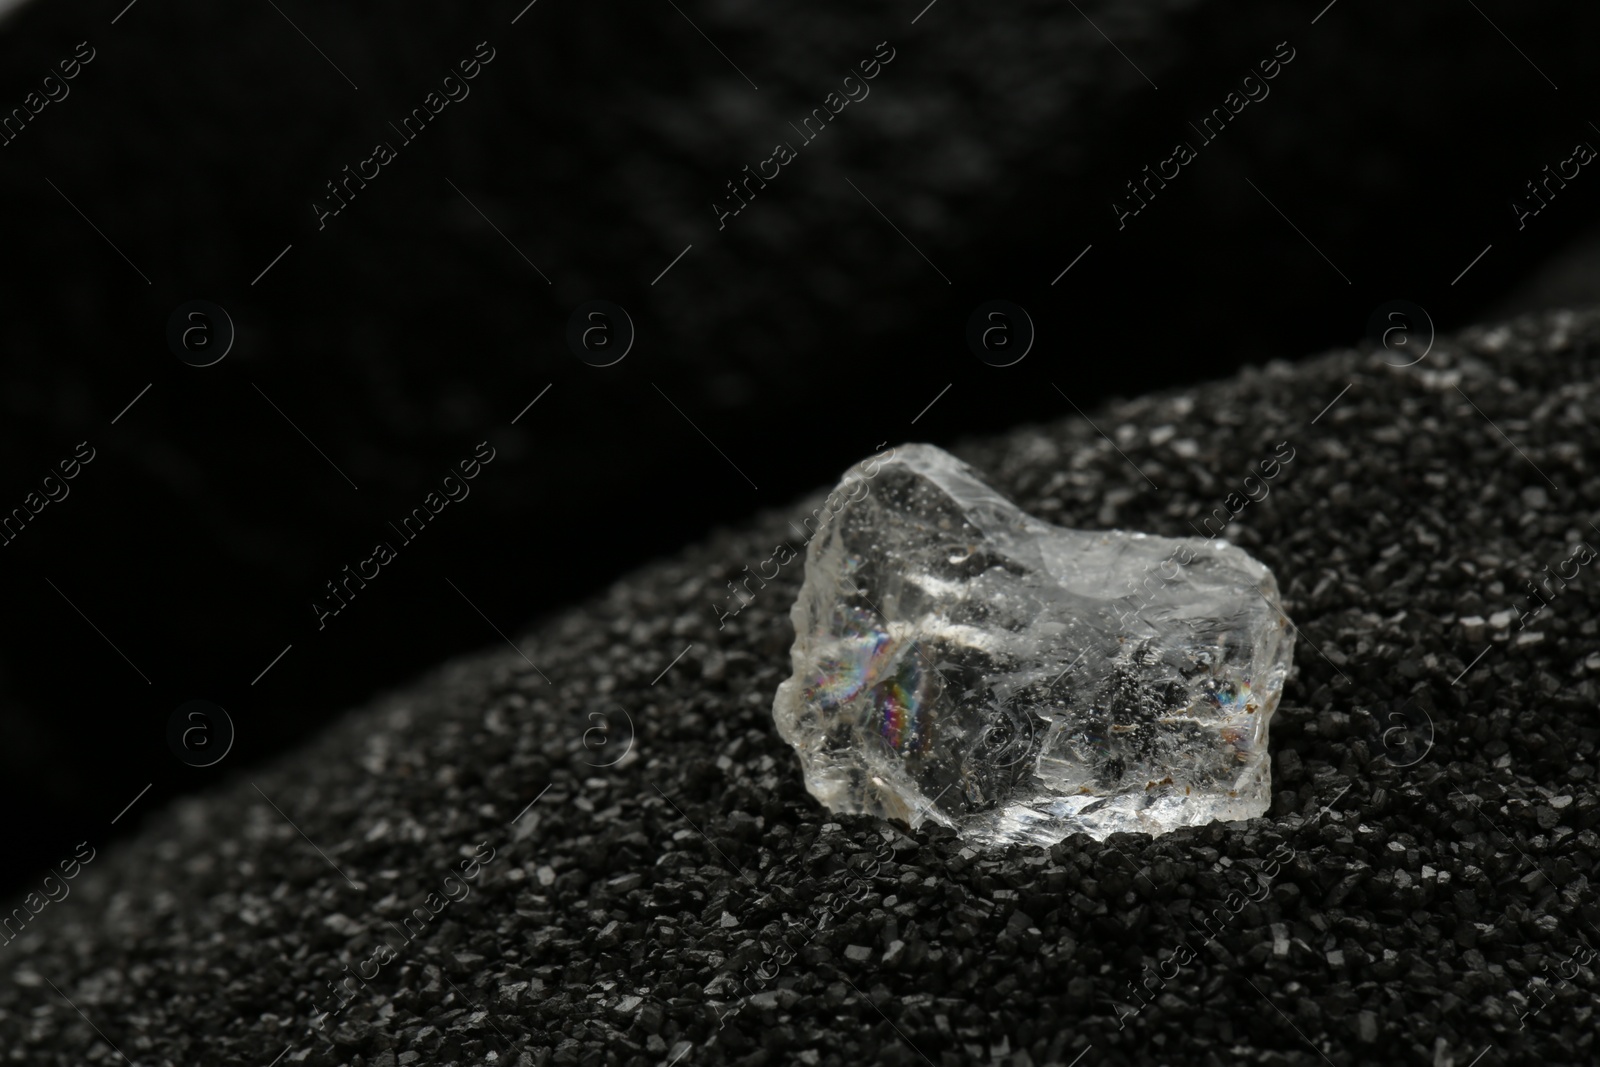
[(378, 351)]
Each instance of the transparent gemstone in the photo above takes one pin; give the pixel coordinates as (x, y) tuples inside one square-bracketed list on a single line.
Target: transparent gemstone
[(960, 661)]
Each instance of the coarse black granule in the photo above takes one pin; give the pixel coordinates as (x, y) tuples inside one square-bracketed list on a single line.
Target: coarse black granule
[(667, 892)]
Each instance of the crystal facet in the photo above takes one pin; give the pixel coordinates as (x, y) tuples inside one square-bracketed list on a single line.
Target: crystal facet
[(960, 661)]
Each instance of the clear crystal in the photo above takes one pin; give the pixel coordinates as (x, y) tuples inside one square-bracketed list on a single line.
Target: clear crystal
[(960, 661)]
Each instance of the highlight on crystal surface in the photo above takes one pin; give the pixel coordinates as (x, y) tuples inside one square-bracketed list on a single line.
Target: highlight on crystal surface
[(960, 661)]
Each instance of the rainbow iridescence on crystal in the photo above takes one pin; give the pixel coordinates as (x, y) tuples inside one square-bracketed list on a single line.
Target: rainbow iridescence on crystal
[(958, 660)]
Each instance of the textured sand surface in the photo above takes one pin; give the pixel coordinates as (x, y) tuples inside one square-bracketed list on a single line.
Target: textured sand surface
[(691, 904)]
